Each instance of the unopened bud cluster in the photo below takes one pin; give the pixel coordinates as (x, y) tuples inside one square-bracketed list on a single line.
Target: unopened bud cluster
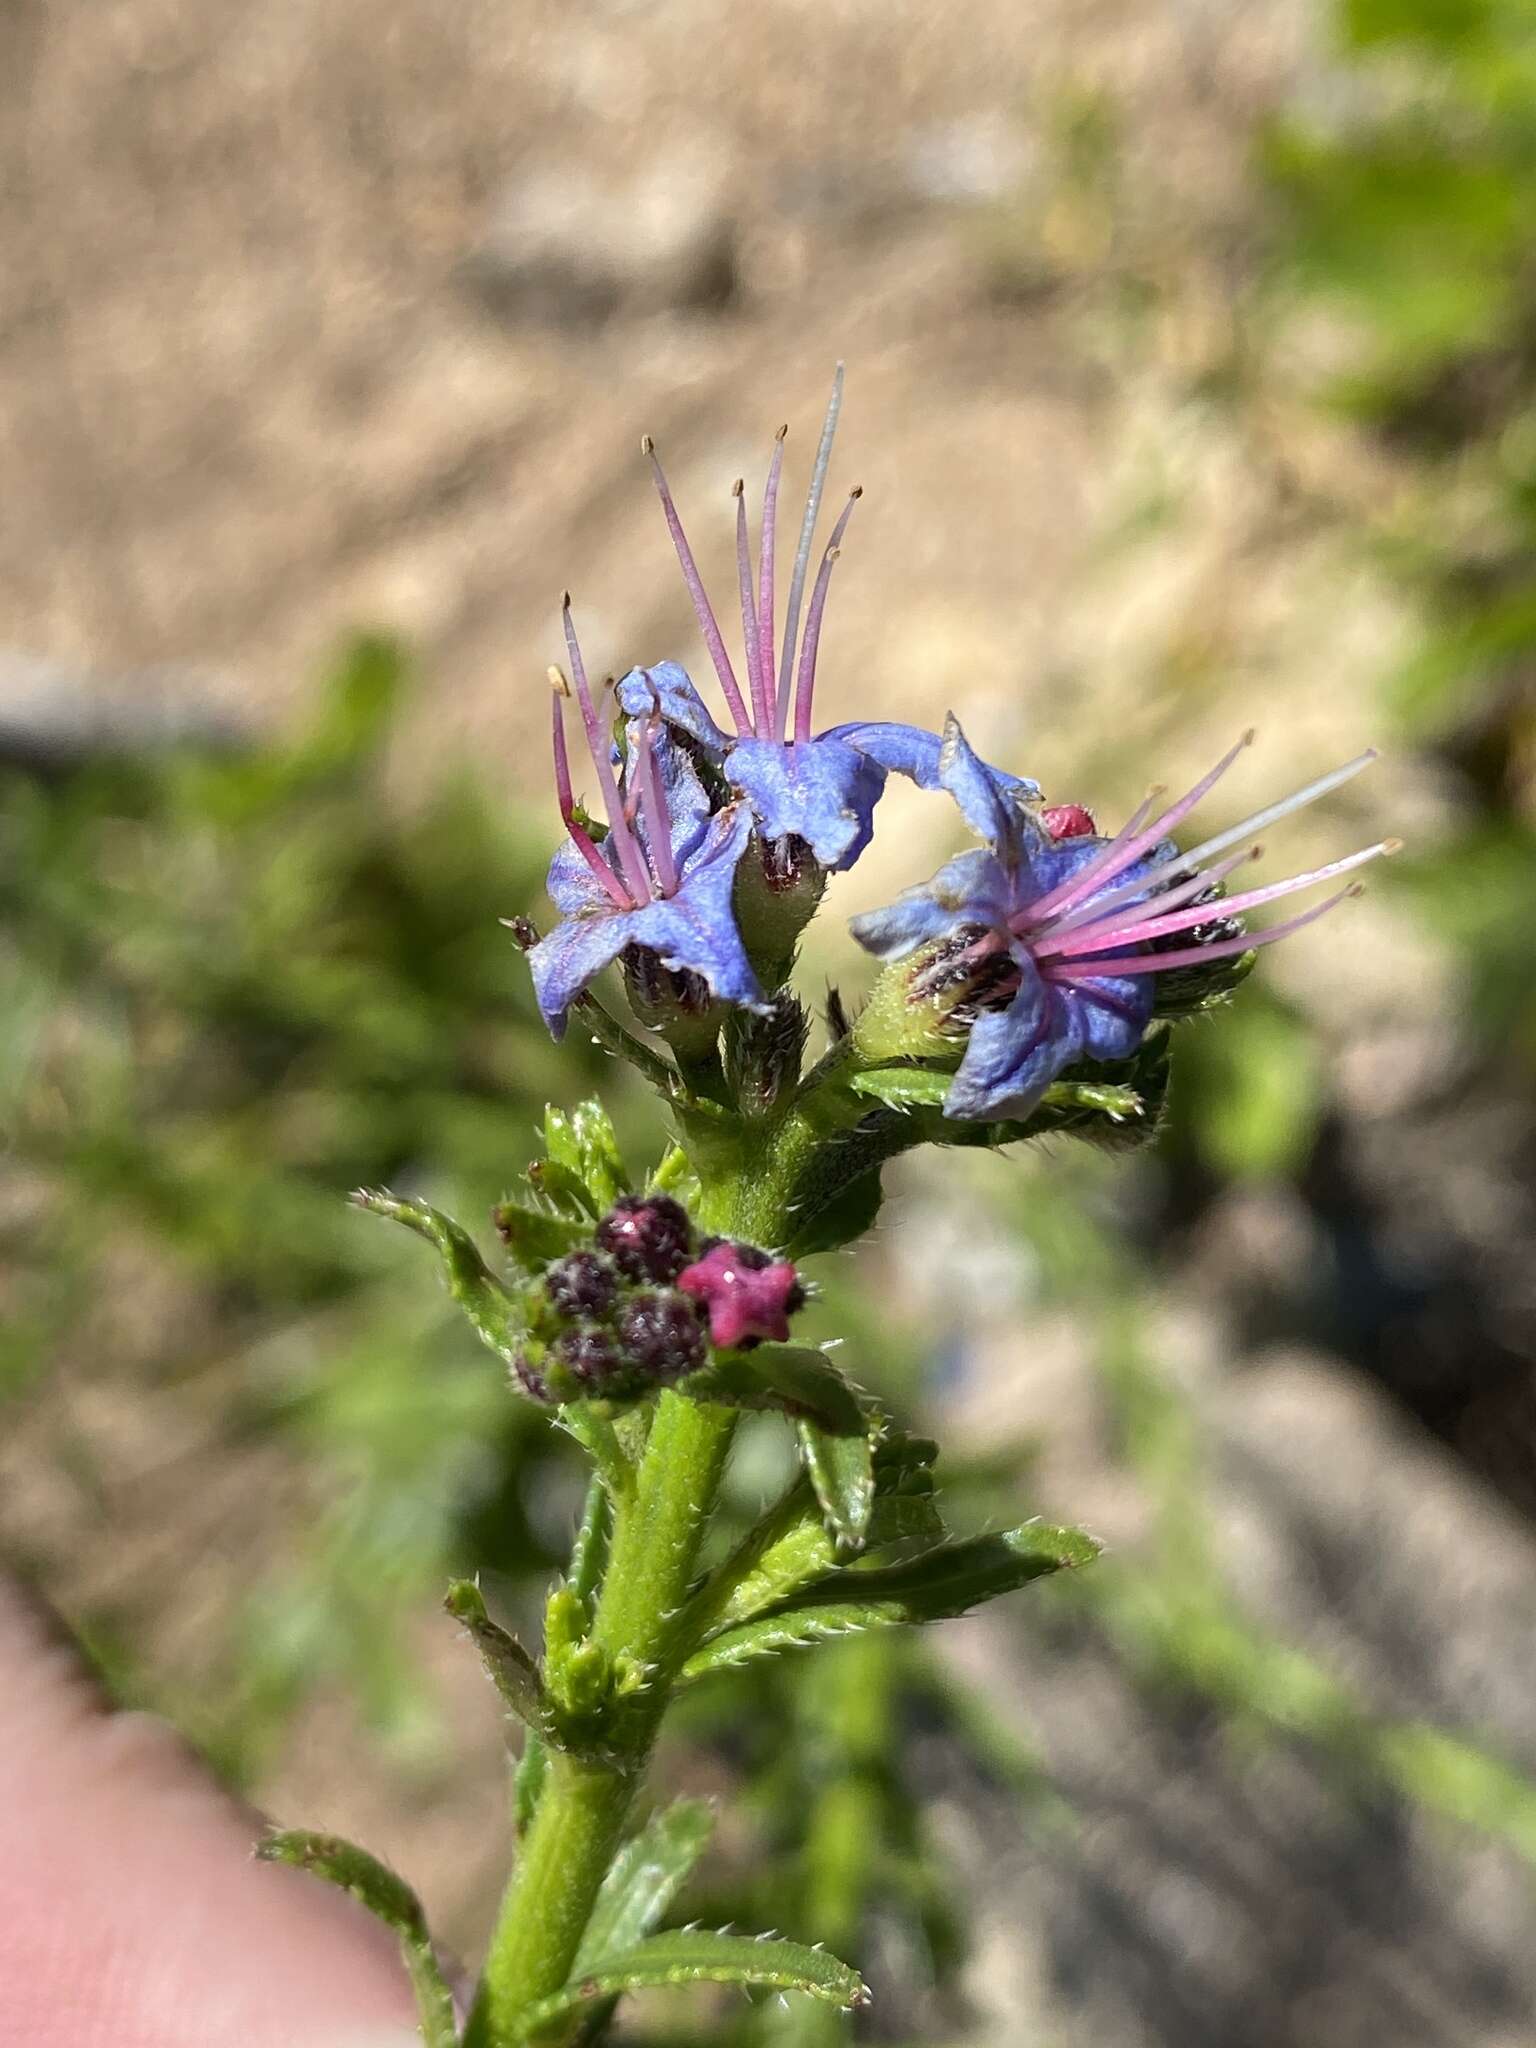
[(644, 1304)]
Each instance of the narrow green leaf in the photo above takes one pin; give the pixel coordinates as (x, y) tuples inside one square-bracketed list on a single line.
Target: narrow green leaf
[(786, 1378), (827, 1219), (597, 1146), (842, 1471), (791, 1545), (942, 1583), (534, 1236), (668, 1960), (589, 1553), (528, 1781), (512, 1671), (566, 1190), (390, 1899), (492, 1311), (645, 1877)]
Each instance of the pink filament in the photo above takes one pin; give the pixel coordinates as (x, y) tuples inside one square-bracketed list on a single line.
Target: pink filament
[(805, 681), (1121, 850), (749, 610), (1191, 956), (1101, 939), (708, 624), (581, 839), (653, 798), (623, 841), (764, 703)]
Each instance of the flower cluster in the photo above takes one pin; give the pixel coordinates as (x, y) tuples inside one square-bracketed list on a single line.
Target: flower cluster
[(1048, 946), (646, 1303)]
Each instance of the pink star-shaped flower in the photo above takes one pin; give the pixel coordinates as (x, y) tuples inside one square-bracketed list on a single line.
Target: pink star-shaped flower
[(746, 1293)]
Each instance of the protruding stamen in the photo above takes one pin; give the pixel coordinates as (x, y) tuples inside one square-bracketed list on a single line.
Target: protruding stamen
[(581, 838), (1193, 956), (755, 681), (625, 846), (1107, 858), (1139, 930), (1150, 899), (708, 624), (653, 799), (1122, 851), (1283, 809), (805, 681), (765, 592), (803, 551)]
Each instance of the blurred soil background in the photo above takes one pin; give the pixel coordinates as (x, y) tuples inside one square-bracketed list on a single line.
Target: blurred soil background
[(1192, 382)]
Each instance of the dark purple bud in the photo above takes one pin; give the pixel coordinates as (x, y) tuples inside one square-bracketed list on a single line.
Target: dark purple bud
[(582, 1284), (591, 1357), (660, 1335), (647, 1237)]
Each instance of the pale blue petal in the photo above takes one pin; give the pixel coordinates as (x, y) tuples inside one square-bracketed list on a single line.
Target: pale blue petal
[(693, 931), (570, 958), (968, 890), (988, 804), (571, 885), (668, 685), (822, 791), (1013, 1055), (909, 750)]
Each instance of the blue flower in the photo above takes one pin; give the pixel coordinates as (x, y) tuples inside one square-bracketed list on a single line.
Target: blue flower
[(820, 788), (1045, 942), (658, 883)]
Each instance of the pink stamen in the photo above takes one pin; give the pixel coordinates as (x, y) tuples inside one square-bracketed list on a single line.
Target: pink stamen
[(1093, 914), (1140, 930), (658, 819), (1037, 913), (765, 592), (581, 839), (749, 608), (626, 847), (818, 482), (805, 681), (1192, 956), (708, 624), (1121, 851)]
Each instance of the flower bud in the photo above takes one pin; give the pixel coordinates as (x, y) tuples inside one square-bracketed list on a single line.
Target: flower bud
[(648, 1237), (746, 1293), (582, 1284), (660, 1336)]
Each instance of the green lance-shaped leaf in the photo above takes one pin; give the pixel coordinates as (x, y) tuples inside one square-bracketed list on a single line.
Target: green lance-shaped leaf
[(644, 1879), (786, 1378), (792, 1546), (534, 1236), (841, 1468), (512, 1671), (565, 1189), (597, 1146), (666, 1961), (390, 1899), (942, 1583), (492, 1311)]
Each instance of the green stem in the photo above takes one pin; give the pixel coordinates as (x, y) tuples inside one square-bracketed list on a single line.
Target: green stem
[(659, 1523), (583, 1806)]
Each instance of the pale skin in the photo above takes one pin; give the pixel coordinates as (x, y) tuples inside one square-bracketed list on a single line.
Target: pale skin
[(131, 1912)]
